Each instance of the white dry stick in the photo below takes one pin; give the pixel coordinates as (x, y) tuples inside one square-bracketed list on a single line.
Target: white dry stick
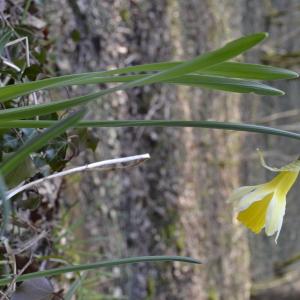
[(10, 64), (109, 164), (27, 55), (28, 244), (4, 296), (19, 40), (12, 285)]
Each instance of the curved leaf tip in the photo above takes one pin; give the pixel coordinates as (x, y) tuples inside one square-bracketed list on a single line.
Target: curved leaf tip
[(292, 74)]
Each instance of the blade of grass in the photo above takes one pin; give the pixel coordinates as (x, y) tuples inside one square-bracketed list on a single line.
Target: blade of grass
[(229, 85), (4, 39), (225, 69), (206, 60), (48, 108), (158, 123), (38, 141), (5, 208), (202, 81), (249, 71), (109, 263), (225, 84), (74, 286)]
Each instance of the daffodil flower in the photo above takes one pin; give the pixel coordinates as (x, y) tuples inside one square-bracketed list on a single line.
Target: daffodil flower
[(263, 205)]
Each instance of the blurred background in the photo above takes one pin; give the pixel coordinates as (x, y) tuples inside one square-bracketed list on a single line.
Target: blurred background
[(175, 203)]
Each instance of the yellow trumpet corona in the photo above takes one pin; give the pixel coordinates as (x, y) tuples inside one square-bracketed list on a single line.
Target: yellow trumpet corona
[(263, 205)]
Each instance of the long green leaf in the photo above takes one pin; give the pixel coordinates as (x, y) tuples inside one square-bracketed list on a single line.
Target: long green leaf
[(101, 264), (158, 123), (203, 81), (38, 141), (74, 287), (201, 62), (227, 84), (249, 71), (48, 108), (191, 80), (228, 51), (5, 207), (225, 69), (4, 39)]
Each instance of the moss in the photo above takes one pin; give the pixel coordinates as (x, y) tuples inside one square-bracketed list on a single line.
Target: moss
[(125, 15), (213, 294), (151, 288), (180, 241)]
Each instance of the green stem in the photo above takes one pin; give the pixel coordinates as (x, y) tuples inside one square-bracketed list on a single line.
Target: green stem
[(109, 263), (157, 123)]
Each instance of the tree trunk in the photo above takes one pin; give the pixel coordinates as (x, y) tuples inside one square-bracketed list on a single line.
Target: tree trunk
[(176, 202)]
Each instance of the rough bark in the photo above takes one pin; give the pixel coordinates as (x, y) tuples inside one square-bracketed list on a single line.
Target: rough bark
[(174, 204)]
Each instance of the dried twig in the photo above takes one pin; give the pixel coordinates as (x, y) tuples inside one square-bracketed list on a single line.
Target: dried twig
[(106, 165), (28, 244), (12, 261), (4, 296), (12, 286)]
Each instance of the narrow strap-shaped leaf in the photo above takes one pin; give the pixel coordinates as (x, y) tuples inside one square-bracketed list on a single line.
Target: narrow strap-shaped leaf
[(211, 82), (4, 38), (48, 108), (249, 71), (74, 287), (230, 50), (109, 263), (201, 62), (38, 141), (202, 81), (5, 207), (206, 60), (158, 123), (227, 84), (225, 69)]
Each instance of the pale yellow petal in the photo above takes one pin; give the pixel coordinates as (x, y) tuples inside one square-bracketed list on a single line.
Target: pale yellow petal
[(254, 217), (240, 193), (286, 182), (264, 205), (261, 191), (273, 183), (276, 209), (275, 214), (257, 195)]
